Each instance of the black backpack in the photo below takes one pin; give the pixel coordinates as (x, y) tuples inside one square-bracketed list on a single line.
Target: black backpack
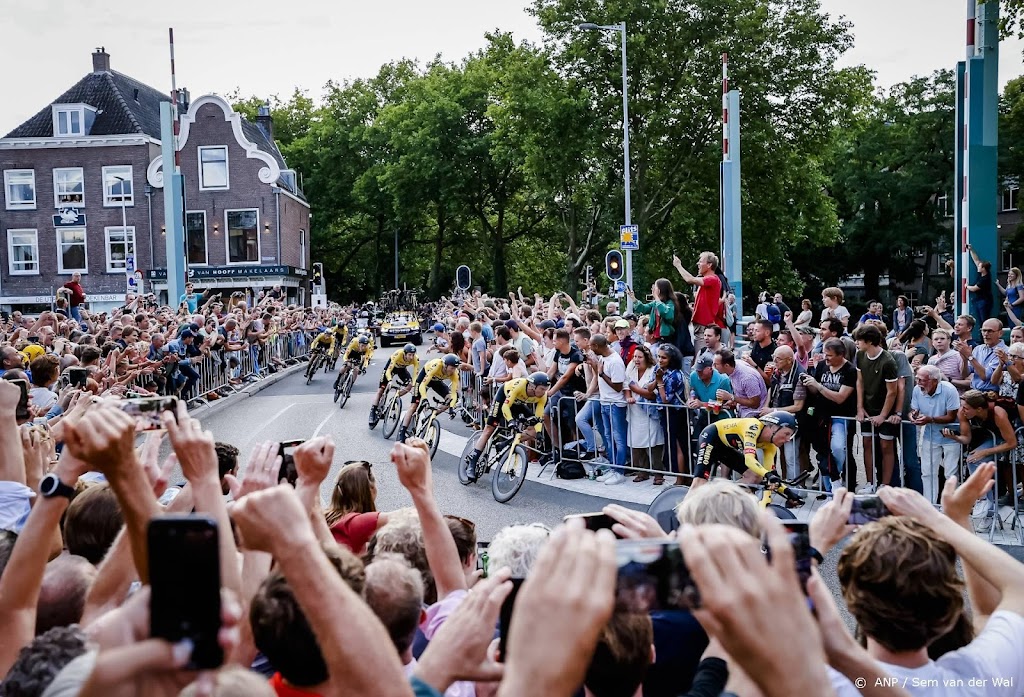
[(570, 469)]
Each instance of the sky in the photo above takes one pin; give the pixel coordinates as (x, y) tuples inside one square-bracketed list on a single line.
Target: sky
[(268, 47)]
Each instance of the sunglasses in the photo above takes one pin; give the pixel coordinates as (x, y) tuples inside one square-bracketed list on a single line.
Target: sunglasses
[(368, 466), (468, 523)]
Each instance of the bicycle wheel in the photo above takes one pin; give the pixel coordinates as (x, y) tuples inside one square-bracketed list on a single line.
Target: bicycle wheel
[(433, 436), (466, 452), (392, 415), (338, 385), (344, 388), (507, 478), (314, 365)]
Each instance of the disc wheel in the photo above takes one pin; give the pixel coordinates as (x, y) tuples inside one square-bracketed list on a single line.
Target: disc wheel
[(507, 478)]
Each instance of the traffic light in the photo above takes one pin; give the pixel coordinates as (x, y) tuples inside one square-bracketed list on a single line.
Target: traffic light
[(318, 273), (613, 265), (463, 277)]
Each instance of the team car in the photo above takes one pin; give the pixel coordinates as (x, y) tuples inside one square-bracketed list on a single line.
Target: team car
[(401, 327)]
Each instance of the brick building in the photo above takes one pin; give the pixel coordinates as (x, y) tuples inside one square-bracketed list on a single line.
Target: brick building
[(82, 191)]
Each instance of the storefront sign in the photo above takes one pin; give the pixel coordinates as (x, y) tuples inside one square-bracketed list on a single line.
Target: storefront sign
[(199, 272)]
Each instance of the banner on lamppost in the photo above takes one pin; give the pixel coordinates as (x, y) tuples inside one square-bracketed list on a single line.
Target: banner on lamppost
[(629, 237)]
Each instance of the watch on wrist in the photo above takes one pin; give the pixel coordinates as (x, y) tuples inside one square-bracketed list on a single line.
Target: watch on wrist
[(52, 486)]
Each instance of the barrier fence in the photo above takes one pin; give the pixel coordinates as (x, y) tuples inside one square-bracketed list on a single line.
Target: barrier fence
[(224, 372)]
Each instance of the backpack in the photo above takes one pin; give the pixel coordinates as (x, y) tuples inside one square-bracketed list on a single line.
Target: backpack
[(570, 469), (774, 315)]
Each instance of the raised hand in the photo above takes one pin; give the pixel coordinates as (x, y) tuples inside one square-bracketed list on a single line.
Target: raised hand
[(104, 439), (958, 501), (829, 525), (313, 460), (192, 445), (412, 460), (273, 520), (261, 472), (633, 525)]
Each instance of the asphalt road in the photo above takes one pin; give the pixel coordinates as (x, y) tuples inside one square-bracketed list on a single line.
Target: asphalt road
[(290, 409)]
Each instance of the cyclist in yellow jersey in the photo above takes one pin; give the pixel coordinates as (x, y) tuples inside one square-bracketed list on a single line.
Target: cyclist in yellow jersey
[(399, 364), (735, 442), (433, 376), (324, 341), (358, 350), (340, 334), (518, 395)]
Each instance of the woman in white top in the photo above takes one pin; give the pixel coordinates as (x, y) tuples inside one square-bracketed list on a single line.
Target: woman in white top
[(806, 314), (646, 436)]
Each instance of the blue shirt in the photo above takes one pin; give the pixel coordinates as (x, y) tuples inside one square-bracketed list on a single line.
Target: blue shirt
[(191, 299), (706, 393), (675, 388), (986, 356), (945, 399)]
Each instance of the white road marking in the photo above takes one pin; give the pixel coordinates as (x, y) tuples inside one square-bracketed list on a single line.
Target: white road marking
[(324, 423)]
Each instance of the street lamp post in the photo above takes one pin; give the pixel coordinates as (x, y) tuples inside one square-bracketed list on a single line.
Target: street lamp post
[(621, 27), (124, 230)]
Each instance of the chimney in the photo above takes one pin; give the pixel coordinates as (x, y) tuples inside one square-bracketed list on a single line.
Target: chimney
[(265, 122), (101, 60)]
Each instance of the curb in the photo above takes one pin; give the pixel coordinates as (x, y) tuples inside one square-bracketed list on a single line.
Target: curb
[(253, 388)]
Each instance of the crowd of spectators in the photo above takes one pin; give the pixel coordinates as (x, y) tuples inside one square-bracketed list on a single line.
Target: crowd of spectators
[(347, 600), (876, 376), (195, 350)]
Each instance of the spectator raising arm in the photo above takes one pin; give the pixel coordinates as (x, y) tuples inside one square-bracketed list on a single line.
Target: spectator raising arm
[(412, 459), (275, 521), (12, 458), (23, 577)]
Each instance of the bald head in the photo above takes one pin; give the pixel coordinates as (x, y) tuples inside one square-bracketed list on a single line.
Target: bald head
[(62, 597), (783, 357)]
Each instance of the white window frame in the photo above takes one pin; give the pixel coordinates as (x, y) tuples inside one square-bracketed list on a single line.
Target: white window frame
[(11, 269), (302, 249), (206, 237), (60, 256), (227, 238), (59, 109), (129, 242), (19, 205), (56, 193), (1011, 191), (227, 168), (109, 181)]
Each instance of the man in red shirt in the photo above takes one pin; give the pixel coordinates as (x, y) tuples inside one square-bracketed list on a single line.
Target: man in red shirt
[(77, 296), (709, 294)]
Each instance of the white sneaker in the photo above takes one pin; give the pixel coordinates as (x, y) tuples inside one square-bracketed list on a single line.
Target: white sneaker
[(600, 460), (614, 478), (983, 525), (982, 508), (865, 489), (605, 475)]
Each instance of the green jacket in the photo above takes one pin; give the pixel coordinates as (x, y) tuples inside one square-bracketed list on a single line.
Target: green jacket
[(667, 311)]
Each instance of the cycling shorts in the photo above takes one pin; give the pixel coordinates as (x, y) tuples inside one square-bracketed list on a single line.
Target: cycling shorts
[(440, 387), (495, 417), (401, 372), (712, 451)]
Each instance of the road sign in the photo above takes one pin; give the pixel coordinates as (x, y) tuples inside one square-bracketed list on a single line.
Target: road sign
[(620, 286), (629, 237)]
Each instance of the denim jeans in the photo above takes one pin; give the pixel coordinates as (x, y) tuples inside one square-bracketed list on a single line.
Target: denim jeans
[(587, 419), (830, 447), (76, 313), (614, 429), (911, 459)]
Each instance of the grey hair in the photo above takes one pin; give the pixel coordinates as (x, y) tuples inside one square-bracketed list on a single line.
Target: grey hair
[(517, 547), (932, 371)]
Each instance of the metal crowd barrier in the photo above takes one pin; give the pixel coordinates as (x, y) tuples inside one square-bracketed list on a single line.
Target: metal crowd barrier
[(226, 372)]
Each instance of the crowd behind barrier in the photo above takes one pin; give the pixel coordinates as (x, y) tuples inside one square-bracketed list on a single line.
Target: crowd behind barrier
[(271, 603)]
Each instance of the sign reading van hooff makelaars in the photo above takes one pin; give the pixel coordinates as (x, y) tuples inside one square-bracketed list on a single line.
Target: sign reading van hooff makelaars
[(228, 272)]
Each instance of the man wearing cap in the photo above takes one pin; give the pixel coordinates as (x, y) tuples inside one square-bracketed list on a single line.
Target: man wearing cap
[(625, 346), (179, 349)]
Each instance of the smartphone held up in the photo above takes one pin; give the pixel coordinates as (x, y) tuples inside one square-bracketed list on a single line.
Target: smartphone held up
[(147, 411)]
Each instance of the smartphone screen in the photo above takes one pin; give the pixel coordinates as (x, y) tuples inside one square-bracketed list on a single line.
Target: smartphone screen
[(867, 509), (505, 617), (594, 521), (78, 377), (482, 557), (800, 538), (653, 576), (288, 472), (22, 413), (184, 574), (147, 410)]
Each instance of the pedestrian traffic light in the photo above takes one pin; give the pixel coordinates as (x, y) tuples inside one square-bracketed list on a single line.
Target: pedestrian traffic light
[(613, 264), (318, 273), (463, 277)]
